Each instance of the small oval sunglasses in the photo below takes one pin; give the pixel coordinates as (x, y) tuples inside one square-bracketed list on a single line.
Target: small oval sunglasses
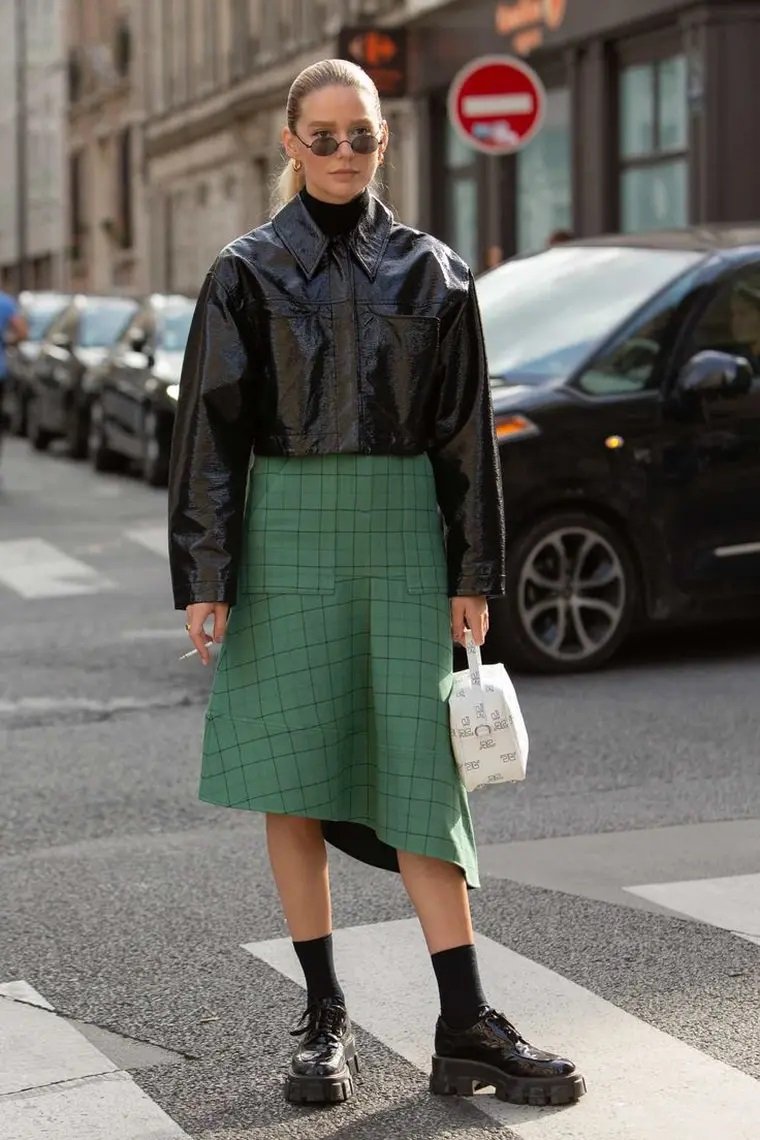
[(325, 145)]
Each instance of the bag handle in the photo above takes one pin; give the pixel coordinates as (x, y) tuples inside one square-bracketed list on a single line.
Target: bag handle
[(473, 658)]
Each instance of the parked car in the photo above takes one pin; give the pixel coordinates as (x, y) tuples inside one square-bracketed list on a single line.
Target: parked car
[(75, 343), (40, 309), (626, 389), (136, 389)]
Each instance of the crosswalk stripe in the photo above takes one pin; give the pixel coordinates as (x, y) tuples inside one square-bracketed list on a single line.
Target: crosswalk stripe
[(153, 538), (36, 569), (731, 902), (54, 1083), (641, 1081)]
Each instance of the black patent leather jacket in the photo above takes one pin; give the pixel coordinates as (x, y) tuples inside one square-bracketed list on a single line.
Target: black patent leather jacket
[(302, 345)]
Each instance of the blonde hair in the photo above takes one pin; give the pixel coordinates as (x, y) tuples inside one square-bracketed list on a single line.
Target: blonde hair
[(325, 73)]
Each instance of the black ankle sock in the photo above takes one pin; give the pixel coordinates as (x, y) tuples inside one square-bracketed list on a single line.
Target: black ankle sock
[(316, 958), (459, 983)]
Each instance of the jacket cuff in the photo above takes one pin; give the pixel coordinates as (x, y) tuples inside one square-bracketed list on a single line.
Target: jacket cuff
[(205, 591)]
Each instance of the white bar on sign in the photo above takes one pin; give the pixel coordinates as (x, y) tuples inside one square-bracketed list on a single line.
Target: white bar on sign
[(474, 105), (642, 1083), (731, 902), (36, 569)]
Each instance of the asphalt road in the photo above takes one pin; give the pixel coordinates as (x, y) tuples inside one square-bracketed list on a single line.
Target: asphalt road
[(619, 918)]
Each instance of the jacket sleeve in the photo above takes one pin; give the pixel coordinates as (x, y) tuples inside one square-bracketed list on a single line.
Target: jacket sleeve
[(210, 453), (465, 457)]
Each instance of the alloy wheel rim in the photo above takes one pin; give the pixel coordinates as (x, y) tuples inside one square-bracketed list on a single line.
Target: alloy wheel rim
[(571, 594)]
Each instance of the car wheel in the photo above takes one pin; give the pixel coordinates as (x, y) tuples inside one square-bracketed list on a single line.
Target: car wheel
[(155, 465), (77, 432), (571, 597), (37, 435), (101, 455)]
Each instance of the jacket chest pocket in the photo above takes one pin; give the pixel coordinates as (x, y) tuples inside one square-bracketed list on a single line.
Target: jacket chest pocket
[(399, 344)]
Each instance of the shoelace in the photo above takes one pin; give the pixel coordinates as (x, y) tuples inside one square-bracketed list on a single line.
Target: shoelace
[(502, 1025), (324, 1016)]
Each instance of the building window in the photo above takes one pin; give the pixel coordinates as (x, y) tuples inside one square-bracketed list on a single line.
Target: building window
[(124, 191), (653, 133), (544, 176), (76, 204), (461, 182)]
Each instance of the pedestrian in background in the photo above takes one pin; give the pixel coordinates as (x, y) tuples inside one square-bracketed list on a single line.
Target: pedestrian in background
[(344, 352), (559, 237), (13, 327)]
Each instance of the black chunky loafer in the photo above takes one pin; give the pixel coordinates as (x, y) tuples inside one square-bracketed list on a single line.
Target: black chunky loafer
[(324, 1065), (492, 1053)]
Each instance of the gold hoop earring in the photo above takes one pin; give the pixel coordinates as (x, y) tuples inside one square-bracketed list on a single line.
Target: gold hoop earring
[(297, 164)]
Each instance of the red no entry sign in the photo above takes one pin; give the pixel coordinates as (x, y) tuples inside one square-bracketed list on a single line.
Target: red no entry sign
[(496, 103)]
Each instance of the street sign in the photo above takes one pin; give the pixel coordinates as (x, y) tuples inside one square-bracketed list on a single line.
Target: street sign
[(496, 104)]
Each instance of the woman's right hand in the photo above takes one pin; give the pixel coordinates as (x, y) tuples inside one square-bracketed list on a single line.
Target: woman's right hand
[(197, 614)]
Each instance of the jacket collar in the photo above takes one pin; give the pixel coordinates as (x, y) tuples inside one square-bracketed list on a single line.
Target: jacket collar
[(298, 231)]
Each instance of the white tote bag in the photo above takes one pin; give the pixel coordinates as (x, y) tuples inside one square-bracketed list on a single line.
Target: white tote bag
[(488, 733)]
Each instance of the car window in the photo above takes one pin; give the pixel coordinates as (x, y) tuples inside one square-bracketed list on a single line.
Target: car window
[(175, 327), (103, 321), (545, 315), (40, 315), (731, 320), (629, 363)]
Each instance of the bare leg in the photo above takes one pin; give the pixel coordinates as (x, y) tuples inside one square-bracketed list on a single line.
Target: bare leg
[(439, 895), (299, 864)]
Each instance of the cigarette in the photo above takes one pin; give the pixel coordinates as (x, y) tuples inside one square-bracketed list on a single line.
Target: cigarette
[(193, 652)]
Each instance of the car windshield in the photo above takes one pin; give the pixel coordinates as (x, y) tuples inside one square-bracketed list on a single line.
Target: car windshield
[(104, 320), (543, 315), (175, 328), (40, 314)]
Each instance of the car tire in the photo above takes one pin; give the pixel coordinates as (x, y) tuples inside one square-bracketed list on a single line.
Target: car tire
[(77, 432), (101, 455), (155, 464), (38, 436), (572, 591)]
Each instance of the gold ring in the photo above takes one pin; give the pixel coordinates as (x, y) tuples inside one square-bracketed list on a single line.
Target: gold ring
[(187, 627)]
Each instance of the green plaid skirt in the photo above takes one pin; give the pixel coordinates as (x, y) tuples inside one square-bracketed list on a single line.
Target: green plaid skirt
[(330, 692)]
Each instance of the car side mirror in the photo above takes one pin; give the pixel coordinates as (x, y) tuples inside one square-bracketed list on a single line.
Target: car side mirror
[(62, 340), (137, 341), (716, 373)]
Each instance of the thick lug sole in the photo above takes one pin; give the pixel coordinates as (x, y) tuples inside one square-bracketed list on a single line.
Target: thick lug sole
[(452, 1077), (325, 1090)]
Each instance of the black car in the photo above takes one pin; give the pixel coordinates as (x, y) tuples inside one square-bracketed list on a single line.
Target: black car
[(136, 389), (40, 310), (626, 388), (75, 343)]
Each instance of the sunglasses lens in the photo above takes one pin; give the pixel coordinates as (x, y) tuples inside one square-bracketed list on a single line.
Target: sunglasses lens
[(323, 146), (364, 144)]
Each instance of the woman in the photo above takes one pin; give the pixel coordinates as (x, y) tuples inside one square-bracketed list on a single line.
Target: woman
[(344, 352)]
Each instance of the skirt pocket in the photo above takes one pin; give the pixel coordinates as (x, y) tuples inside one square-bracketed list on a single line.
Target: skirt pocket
[(287, 562), (425, 557)]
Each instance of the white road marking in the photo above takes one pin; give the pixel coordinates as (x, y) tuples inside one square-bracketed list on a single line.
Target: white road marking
[(36, 569), (153, 538), (732, 902), (40, 706), (641, 1081), (22, 991), (55, 1084)]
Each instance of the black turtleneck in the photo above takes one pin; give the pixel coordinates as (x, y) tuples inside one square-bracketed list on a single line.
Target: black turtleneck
[(334, 218)]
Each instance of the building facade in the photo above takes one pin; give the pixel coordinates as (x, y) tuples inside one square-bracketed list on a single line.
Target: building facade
[(106, 232), (32, 143), (214, 80), (651, 119)]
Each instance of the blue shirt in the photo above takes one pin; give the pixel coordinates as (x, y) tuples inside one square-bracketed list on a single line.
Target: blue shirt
[(8, 309)]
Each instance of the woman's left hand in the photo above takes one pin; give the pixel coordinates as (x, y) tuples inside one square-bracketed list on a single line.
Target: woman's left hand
[(472, 612)]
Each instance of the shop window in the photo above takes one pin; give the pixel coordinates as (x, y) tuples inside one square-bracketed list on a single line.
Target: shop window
[(653, 134), (544, 176)]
